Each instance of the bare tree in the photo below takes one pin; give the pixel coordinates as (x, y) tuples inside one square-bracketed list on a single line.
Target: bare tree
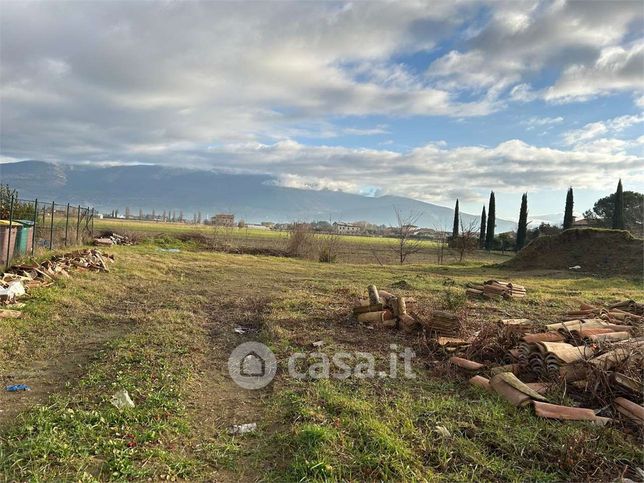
[(300, 239), (329, 244), (442, 238), (406, 225), (467, 241)]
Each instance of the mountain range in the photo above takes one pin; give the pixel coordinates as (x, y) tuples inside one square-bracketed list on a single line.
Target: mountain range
[(251, 197)]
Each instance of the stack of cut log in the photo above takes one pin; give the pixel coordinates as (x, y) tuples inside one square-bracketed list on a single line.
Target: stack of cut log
[(495, 289), (385, 309)]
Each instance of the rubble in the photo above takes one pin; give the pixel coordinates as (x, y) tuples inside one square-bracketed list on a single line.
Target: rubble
[(444, 323), (242, 428), (495, 289), (597, 351), (384, 309), (121, 400), (631, 410), (509, 387), (18, 279), (466, 364), (554, 411), (110, 238), (482, 382)]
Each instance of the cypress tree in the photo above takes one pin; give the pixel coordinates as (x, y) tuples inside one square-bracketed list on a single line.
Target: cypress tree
[(491, 222), (482, 235), (455, 226), (618, 213), (522, 229), (568, 219)]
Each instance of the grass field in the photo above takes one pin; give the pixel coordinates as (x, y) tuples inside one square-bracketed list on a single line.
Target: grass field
[(349, 249), (161, 326)]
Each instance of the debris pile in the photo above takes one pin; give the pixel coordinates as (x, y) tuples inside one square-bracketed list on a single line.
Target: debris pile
[(626, 311), (495, 289), (598, 358), (385, 309), (15, 282), (109, 238), (444, 323)]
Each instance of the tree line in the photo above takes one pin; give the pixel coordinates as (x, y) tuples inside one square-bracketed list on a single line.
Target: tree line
[(622, 210)]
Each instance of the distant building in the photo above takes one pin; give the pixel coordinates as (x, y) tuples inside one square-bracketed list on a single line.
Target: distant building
[(347, 228), (223, 219), (581, 223), (426, 233)]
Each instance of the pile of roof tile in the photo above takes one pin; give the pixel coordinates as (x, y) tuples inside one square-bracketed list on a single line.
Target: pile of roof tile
[(109, 239), (15, 282), (495, 289), (385, 309), (602, 354), (444, 323), (628, 310)]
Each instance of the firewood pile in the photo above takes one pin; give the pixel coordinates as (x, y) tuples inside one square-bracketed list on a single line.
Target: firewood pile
[(109, 239), (495, 290), (384, 309), (15, 282), (598, 358)]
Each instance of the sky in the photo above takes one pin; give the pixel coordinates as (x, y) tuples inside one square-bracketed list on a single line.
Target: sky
[(430, 100)]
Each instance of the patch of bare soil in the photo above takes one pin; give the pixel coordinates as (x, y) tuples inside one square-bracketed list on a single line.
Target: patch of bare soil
[(607, 252), (50, 375), (61, 354)]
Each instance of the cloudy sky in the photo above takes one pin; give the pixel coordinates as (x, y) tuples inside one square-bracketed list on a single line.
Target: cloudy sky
[(431, 100)]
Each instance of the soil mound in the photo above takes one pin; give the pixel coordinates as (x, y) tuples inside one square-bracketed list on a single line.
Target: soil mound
[(612, 252)]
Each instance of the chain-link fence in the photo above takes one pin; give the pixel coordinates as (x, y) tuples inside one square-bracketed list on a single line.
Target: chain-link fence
[(30, 226)]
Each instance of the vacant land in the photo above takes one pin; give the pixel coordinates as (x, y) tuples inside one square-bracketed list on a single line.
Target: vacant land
[(161, 325), (347, 248)]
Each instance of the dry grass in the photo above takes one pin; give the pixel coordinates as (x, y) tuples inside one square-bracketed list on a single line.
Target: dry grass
[(167, 322)]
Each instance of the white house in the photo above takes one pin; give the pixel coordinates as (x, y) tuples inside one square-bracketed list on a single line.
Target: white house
[(347, 228)]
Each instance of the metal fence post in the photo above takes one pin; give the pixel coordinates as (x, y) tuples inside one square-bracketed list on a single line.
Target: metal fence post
[(77, 223), (66, 223), (9, 251), (87, 221), (33, 229), (51, 226), (92, 235)]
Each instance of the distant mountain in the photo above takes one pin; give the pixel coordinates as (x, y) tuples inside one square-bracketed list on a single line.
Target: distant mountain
[(553, 219), (253, 198)]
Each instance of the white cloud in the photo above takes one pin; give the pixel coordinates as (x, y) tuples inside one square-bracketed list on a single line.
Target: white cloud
[(431, 172), (593, 130), (523, 93), (541, 122), (105, 82), (582, 40), (616, 69)]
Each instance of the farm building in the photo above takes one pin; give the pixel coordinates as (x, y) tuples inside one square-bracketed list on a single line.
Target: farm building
[(223, 219), (347, 228)]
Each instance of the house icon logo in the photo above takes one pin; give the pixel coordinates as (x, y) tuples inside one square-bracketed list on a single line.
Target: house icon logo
[(252, 365)]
